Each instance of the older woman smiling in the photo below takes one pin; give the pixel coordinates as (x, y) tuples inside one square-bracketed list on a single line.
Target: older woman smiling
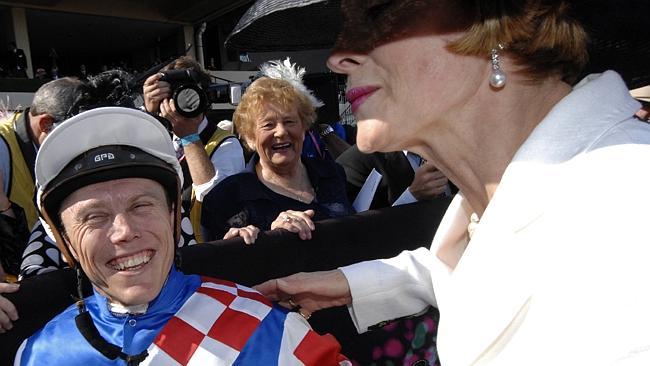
[(280, 189)]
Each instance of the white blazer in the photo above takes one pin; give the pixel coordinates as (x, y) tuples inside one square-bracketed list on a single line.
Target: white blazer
[(558, 270)]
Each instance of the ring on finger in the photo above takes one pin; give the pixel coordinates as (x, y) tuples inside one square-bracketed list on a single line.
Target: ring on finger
[(293, 305), (286, 218), (304, 314)]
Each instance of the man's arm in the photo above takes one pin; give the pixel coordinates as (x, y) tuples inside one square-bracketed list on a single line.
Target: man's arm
[(227, 159), (198, 162), (428, 183), (201, 168)]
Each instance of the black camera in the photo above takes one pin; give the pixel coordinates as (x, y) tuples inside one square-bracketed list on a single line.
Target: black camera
[(192, 97)]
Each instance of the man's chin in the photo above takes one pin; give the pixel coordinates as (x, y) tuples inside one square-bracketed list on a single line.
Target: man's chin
[(133, 295)]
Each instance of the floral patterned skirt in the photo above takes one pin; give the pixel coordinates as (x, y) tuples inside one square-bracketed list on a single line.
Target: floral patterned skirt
[(404, 342)]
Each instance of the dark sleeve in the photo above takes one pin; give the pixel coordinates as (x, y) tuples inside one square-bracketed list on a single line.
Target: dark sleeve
[(342, 183), (219, 206), (357, 167), (13, 238), (398, 175)]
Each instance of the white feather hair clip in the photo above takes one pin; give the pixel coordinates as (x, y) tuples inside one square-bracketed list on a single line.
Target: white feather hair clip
[(292, 73)]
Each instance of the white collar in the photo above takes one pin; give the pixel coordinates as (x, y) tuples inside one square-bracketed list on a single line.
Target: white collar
[(119, 309), (596, 102)]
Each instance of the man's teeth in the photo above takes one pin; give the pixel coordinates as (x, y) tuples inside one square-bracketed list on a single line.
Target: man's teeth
[(132, 262)]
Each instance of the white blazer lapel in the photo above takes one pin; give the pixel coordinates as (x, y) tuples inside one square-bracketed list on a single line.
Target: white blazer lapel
[(485, 296), (491, 284)]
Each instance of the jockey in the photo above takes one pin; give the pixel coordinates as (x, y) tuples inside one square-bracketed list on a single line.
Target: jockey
[(109, 193)]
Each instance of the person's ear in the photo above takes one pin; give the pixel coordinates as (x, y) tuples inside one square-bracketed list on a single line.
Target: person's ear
[(71, 249), (248, 142), (46, 123), (63, 234)]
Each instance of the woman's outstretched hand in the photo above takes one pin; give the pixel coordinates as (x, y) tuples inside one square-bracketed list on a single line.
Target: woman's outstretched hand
[(308, 292)]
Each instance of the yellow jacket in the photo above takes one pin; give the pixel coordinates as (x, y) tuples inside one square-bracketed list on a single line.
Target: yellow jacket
[(21, 186)]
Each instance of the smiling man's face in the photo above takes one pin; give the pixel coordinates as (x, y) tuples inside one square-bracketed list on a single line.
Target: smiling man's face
[(121, 233)]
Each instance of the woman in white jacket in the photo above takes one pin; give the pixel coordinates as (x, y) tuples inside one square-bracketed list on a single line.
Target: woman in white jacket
[(542, 258)]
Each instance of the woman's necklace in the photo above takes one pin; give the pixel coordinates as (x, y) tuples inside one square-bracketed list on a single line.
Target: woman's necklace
[(305, 195), (473, 223)]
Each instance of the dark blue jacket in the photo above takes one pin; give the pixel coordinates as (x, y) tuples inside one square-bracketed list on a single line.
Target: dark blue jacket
[(241, 200)]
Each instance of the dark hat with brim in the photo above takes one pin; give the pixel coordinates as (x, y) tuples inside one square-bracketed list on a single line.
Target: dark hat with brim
[(619, 36), (287, 25)]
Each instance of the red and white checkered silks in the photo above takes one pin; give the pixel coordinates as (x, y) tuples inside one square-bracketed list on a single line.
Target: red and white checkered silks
[(215, 323)]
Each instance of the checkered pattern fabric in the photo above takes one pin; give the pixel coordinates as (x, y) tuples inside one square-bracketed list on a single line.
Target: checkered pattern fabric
[(219, 319)]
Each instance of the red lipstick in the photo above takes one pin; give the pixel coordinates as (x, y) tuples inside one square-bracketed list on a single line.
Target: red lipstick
[(356, 96)]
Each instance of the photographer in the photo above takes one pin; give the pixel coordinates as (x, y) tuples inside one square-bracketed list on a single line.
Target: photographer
[(209, 153)]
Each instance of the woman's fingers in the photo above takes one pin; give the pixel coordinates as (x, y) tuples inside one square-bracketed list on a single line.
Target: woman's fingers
[(299, 222), (308, 291), (270, 290), (8, 312), (233, 232), (248, 233), (306, 216)]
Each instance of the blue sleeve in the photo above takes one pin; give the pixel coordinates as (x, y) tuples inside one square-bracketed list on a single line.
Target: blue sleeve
[(59, 343), (339, 130)]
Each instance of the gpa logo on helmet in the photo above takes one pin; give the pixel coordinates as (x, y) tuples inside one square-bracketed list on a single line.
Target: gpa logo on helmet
[(104, 156)]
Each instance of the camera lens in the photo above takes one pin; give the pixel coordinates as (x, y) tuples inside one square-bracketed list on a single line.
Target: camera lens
[(219, 93), (190, 100)]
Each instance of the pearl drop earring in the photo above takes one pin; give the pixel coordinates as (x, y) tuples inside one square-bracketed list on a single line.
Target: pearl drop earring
[(497, 77)]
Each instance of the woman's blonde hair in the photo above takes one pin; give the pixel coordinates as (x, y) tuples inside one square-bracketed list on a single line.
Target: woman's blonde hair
[(540, 35), (278, 92)]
